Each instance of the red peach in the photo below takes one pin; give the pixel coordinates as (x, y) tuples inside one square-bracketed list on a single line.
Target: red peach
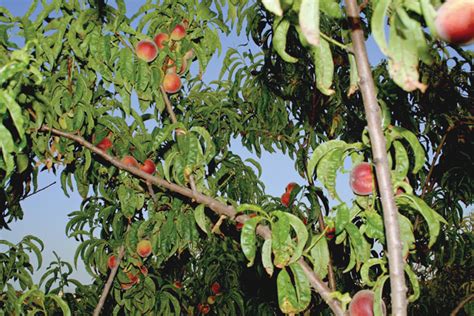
[(178, 33), (112, 262), (130, 161), (216, 288), (171, 83), (105, 144), (285, 199), (362, 304), (362, 179), (203, 308), (144, 248), (159, 40), (146, 50), (148, 166), (330, 233), (455, 22), (178, 284), (290, 187)]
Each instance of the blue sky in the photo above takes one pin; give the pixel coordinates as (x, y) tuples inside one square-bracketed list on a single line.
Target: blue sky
[(46, 212)]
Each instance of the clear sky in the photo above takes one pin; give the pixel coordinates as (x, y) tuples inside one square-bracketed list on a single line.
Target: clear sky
[(46, 212)]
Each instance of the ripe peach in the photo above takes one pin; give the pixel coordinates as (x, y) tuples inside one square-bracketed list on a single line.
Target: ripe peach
[(204, 309), (144, 248), (105, 144), (455, 22), (172, 82), (133, 280), (216, 288), (159, 40), (290, 187), (178, 33), (211, 299), (330, 232), (362, 179), (148, 166), (178, 284), (362, 304), (130, 161), (112, 262), (285, 199), (146, 50)]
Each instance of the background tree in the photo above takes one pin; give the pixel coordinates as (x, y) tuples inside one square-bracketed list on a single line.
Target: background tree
[(171, 216)]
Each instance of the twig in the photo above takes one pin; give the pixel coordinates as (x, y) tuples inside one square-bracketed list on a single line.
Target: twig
[(461, 305), (377, 139), (151, 191), (192, 183), (213, 204), (331, 277), (109, 282), (169, 107), (338, 44), (38, 191), (218, 224)]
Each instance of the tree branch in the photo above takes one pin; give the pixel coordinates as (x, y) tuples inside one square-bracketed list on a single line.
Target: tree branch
[(213, 204), (109, 282), (461, 304), (38, 191), (169, 107), (379, 151)]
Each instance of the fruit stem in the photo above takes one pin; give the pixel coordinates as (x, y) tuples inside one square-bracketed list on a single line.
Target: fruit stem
[(379, 151)]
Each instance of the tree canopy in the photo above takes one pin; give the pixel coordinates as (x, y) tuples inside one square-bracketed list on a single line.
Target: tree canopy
[(173, 221)]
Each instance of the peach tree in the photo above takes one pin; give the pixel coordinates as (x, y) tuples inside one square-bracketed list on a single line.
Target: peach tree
[(173, 221)]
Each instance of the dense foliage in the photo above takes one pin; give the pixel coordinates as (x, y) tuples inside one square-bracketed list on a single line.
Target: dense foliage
[(70, 78)]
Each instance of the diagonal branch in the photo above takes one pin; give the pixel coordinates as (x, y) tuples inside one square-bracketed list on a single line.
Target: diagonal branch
[(379, 151), (213, 204), (109, 282)]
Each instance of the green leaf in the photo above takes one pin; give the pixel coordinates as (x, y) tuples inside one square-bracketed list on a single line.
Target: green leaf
[(267, 256), (404, 54), (406, 234), (378, 24), (322, 150), (301, 235), (432, 218), (201, 218), (414, 284), (320, 256), (61, 303), (343, 216), (418, 151), (250, 207), (282, 244), (303, 288), (402, 162), (287, 299), (327, 169), (280, 29), (15, 112), (429, 14), (378, 289), (358, 242), (308, 18), (364, 271), (324, 67), (273, 6), (248, 239), (331, 8)]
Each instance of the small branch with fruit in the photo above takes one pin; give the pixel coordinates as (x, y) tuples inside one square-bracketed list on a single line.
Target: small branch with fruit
[(130, 165)]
